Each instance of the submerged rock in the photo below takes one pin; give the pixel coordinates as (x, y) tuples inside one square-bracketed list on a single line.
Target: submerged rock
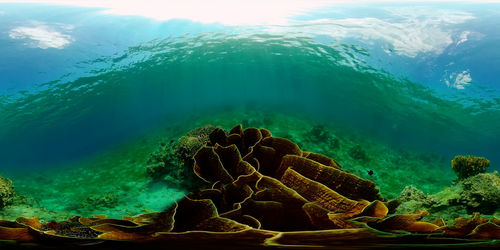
[(6, 192), (467, 166), (411, 193), (478, 193), (481, 193)]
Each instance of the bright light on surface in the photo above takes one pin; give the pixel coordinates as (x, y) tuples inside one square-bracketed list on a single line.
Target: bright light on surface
[(227, 12)]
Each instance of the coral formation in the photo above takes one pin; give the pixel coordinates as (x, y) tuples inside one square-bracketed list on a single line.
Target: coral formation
[(6, 192), (265, 190), (320, 133), (481, 193), (172, 162), (477, 193), (467, 166)]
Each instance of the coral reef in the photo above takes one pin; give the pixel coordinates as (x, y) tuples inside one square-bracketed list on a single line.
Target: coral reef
[(6, 192), (266, 191), (173, 161), (441, 205), (481, 193), (320, 133), (467, 166), (478, 193)]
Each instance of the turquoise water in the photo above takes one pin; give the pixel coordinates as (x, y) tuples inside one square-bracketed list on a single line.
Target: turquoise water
[(121, 76)]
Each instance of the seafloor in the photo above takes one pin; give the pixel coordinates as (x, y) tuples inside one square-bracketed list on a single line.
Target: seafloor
[(115, 183)]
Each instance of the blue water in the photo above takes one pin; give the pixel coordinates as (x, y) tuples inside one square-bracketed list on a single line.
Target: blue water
[(120, 76)]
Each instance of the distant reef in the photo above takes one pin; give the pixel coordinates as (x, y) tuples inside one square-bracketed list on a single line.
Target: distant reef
[(258, 190), (475, 191)]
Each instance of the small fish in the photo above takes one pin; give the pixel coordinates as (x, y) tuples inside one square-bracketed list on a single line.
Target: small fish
[(370, 172)]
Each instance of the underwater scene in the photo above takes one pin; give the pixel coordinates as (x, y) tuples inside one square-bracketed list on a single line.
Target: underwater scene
[(249, 124)]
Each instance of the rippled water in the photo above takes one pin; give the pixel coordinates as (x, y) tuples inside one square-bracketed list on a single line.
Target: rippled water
[(152, 83)]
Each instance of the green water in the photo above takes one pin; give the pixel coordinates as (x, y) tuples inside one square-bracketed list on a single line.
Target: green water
[(69, 141)]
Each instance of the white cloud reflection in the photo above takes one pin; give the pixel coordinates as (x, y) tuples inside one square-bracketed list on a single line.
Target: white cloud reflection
[(42, 35), (409, 31), (405, 31), (459, 80)]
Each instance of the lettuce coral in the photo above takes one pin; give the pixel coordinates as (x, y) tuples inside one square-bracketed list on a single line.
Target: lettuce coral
[(264, 191)]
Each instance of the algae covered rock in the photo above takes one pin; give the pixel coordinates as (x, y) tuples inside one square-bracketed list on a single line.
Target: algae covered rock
[(411, 200), (467, 166), (481, 193), (6, 192), (411, 193), (442, 205), (476, 193)]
